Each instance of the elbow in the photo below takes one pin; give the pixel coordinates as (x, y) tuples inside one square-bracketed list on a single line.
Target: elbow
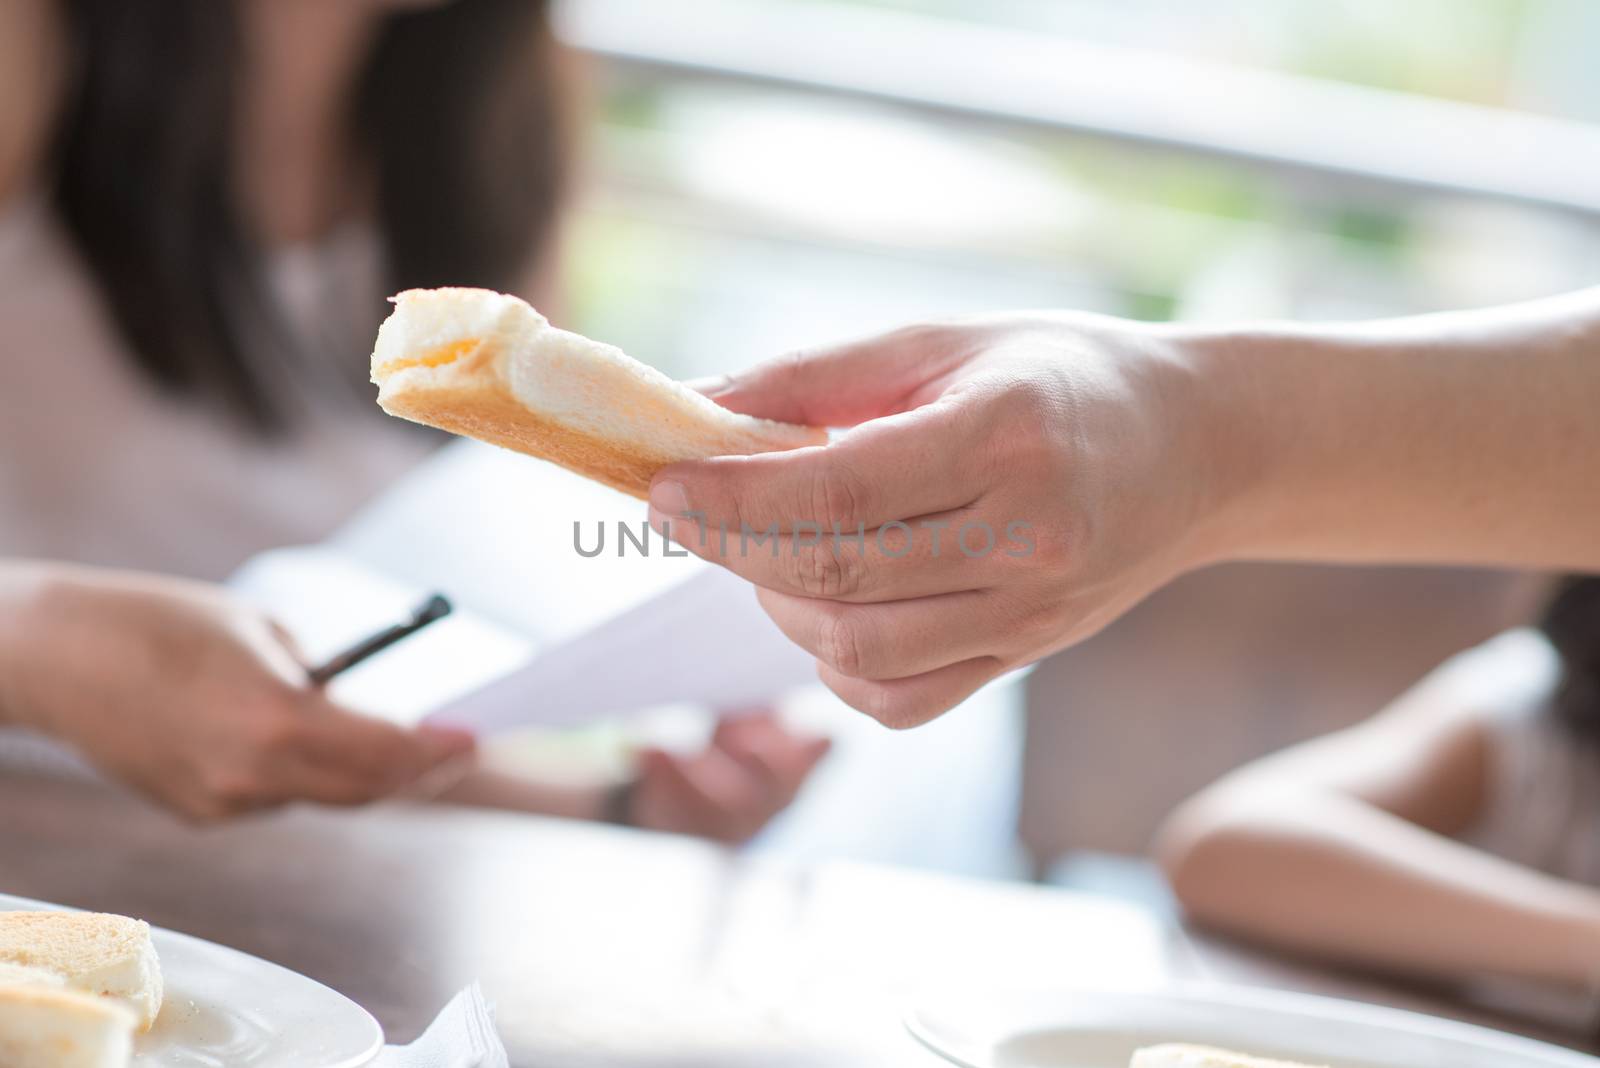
[(1217, 854)]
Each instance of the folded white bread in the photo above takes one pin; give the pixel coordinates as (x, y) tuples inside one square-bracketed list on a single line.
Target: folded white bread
[(487, 366), (1182, 1056), (49, 1027), (95, 953), (22, 975)]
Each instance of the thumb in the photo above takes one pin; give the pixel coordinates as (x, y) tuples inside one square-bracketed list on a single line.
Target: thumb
[(838, 385), (440, 744)]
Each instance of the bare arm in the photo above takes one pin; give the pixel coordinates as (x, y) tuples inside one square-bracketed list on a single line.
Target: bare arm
[(30, 83), (1341, 848), (1471, 437), (749, 772), (1122, 454)]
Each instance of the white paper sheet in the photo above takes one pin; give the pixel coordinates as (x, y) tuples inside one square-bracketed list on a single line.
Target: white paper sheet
[(705, 641), (542, 636), (329, 601)]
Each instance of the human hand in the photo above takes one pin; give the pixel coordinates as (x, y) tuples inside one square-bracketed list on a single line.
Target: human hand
[(195, 700), (1020, 482), (750, 772)]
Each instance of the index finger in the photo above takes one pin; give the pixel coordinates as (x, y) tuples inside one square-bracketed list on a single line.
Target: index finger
[(899, 467), (374, 749)]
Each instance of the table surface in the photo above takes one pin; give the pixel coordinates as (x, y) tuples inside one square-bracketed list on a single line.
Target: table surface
[(605, 947)]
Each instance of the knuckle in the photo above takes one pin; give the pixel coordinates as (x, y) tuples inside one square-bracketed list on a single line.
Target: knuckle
[(825, 569), (1054, 543), (1039, 400), (230, 789), (1054, 547), (1036, 622), (838, 497), (1026, 418), (275, 734), (840, 644), (891, 708), (878, 701), (726, 507)]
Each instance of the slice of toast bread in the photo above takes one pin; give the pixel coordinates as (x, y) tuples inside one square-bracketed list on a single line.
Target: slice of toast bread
[(94, 953), (488, 366), (49, 1027)]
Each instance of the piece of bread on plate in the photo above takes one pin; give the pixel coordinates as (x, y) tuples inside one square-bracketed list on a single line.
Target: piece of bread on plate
[(94, 953), (50, 1027), (22, 975), (487, 366), (1175, 1055)]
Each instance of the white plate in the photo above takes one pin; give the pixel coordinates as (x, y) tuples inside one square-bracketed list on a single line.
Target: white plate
[(223, 1008), (1086, 1029)]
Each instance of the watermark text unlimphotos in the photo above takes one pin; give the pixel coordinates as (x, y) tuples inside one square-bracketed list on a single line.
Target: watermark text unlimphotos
[(973, 538)]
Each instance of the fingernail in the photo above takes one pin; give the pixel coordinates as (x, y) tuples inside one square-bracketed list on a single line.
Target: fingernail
[(669, 498), (711, 385), (448, 740)]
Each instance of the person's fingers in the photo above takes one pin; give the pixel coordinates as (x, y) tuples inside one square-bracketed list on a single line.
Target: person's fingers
[(308, 780), (776, 760), (373, 750), (743, 728), (894, 639), (765, 731), (665, 799), (916, 464), (286, 638), (911, 702), (706, 794), (945, 553), (839, 385)]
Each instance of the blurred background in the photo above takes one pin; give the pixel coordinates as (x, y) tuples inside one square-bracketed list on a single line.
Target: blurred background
[(202, 204), (770, 173)]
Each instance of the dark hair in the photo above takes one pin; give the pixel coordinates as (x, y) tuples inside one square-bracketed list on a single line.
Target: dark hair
[(456, 119), (1571, 621)]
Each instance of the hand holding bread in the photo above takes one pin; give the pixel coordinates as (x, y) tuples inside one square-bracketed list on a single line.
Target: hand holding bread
[(1002, 426), (1009, 486)]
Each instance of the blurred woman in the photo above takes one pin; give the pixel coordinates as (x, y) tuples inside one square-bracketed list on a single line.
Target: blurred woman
[(1455, 834), (202, 205)]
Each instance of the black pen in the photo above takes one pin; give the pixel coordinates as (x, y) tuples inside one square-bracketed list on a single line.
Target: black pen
[(429, 611)]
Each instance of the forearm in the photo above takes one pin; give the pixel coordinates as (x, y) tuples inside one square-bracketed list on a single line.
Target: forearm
[(488, 788), (22, 583), (1463, 438), (1345, 881)]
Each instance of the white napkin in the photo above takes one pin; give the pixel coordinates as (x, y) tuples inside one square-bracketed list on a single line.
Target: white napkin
[(462, 1036)]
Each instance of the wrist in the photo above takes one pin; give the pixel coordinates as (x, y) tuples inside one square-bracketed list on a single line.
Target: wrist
[(1224, 429), (617, 805), (26, 592)]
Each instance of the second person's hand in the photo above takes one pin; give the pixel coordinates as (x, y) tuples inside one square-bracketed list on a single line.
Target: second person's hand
[(749, 772), (190, 697)]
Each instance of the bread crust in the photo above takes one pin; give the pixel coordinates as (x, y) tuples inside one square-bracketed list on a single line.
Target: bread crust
[(488, 411), (470, 394)]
